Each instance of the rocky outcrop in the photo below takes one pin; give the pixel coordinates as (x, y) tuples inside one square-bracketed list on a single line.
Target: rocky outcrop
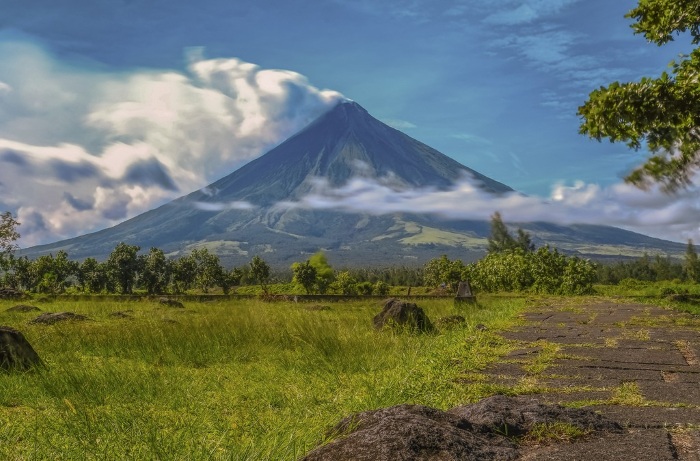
[(23, 308)]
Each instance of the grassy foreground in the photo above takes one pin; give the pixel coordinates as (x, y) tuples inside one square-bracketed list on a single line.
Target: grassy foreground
[(228, 380)]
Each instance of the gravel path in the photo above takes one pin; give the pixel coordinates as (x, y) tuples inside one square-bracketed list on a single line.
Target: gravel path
[(636, 364)]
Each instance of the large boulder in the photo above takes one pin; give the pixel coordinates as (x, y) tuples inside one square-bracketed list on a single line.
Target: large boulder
[(411, 432), (49, 318), (16, 354), (485, 431), (401, 314)]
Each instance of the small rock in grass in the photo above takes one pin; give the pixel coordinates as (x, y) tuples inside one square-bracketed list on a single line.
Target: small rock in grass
[(318, 307), (23, 308), (122, 315), (171, 303), (49, 318)]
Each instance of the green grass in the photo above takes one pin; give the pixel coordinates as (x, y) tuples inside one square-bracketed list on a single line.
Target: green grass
[(238, 380)]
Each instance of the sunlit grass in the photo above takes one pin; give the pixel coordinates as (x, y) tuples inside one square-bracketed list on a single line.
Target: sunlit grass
[(240, 379)]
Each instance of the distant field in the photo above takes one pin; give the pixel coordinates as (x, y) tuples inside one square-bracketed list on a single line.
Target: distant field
[(241, 379)]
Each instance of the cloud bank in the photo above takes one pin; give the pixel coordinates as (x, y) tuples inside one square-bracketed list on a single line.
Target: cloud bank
[(83, 148), (671, 217)]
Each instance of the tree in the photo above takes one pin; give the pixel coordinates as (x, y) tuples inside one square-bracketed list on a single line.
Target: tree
[(184, 273), (662, 113), (208, 270), (123, 265), (442, 270), (260, 272), (324, 272), (156, 271), (8, 235), (691, 265), (92, 276), (305, 275), (500, 239)]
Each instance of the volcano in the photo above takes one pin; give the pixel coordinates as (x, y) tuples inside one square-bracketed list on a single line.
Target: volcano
[(239, 215)]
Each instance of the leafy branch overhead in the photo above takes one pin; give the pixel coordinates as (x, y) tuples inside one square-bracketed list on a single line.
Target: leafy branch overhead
[(662, 113)]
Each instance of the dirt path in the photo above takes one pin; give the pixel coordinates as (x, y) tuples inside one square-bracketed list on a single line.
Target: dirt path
[(636, 364)]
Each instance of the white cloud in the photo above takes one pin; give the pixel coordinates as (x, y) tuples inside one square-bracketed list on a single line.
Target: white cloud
[(82, 149), (399, 124), (652, 213)]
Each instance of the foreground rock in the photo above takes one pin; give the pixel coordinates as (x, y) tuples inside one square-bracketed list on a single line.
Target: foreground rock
[(516, 416), (49, 318), (480, 432), (16, 354), (398, 313)]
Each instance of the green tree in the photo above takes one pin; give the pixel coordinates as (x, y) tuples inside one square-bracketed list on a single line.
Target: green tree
[(324, 272), (662, 113), (156, 271), (443, 270), (123, 266), (260, 272), (8, 236), (501, 240), (230, 279), (184, 273), (345, 284), (691, 265), (305, 275), (92, 276), (208, 270)]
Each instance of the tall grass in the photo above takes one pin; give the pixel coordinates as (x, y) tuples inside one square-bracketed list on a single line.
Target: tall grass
[(234, 380)]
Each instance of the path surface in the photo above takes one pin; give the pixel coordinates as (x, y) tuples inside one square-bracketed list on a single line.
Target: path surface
[(636, 364)]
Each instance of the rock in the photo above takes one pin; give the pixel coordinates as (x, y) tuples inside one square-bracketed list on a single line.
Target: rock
[(171, 303), (411, 432), (515, 416), (484, 431), (451, 321), (16, 354), (318, 307), (10, 293), (49, 318), (23, 308), (122, 314), (403, 314)]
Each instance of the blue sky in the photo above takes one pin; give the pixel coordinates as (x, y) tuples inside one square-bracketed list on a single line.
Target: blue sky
[(94, 95)]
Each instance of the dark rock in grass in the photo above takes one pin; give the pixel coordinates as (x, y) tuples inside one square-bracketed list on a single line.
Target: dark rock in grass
[(515, 416), (122, 315), (11, 293), (401, 314), (451, 321), (23, 308), (49, 318), (16, 354), (484, 431), (411, 432), (317, 307), (171, 303)]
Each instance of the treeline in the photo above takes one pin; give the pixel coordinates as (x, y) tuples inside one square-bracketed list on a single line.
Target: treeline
[(125, 271)]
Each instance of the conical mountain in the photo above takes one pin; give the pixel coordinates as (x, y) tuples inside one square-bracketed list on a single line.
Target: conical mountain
[(345, 143)]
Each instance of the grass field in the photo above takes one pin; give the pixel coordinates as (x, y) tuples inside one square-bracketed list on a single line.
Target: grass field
[(241, 379)]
